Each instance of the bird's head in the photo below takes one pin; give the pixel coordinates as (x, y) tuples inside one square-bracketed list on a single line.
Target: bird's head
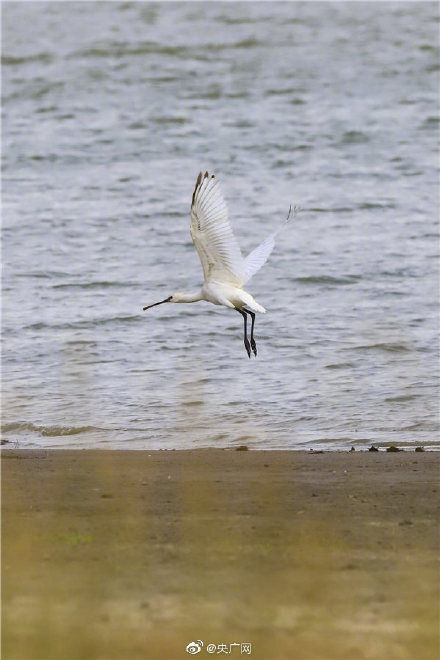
[(180, 297)]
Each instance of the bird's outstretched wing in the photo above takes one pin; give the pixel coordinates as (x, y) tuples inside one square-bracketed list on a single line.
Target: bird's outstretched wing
[(212, 234), (260, 255)]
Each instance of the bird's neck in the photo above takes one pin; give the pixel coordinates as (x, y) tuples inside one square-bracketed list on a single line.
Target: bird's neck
[(190, 297)]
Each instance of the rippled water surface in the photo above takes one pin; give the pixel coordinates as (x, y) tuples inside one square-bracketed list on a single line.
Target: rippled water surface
[(109, 112)]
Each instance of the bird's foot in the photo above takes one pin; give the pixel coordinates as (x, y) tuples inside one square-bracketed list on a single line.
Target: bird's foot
[(247, 347), (254, 347)]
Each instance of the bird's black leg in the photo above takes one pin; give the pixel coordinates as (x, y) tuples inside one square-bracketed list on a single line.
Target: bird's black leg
[(253, 344), (246, 341)]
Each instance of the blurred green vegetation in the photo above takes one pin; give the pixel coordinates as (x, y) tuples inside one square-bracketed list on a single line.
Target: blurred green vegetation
[(109, 557)]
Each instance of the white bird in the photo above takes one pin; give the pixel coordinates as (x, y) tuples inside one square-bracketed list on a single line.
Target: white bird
[(224, 268)]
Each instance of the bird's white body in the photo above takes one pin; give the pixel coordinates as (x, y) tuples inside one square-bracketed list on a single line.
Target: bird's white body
[(219, 293), (224, 268), (229, 296)]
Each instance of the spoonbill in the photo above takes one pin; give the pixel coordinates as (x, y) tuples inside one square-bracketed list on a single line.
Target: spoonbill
[(224, 268)]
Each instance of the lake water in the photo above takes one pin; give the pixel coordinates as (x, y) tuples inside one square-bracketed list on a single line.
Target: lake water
[(109, 112)]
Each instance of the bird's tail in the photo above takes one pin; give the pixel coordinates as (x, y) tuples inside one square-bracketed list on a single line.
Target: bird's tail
[(252, 303)]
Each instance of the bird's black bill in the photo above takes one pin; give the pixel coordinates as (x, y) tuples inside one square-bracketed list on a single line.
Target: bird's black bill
[(159, 303)]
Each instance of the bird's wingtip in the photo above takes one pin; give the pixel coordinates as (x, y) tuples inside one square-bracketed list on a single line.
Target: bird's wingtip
[(199, 179)]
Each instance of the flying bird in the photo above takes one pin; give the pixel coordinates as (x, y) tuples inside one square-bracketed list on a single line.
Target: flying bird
[(224, 268)]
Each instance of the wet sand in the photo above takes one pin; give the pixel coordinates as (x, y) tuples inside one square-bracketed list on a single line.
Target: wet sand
[(127, 555)]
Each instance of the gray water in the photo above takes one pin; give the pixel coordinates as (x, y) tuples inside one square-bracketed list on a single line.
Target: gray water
[(109, 112)]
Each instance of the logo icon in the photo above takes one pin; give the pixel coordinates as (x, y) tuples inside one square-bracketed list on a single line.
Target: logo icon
[(194, 647)]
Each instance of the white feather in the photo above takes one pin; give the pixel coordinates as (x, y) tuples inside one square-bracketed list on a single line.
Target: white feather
[(216, 244), (212, 234), (258, 257)]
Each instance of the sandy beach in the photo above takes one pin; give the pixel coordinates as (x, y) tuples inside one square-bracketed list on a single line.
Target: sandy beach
[(125, 554)]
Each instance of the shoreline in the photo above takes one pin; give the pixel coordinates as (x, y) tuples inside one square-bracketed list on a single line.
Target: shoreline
[(9, 446), (135, 553)]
